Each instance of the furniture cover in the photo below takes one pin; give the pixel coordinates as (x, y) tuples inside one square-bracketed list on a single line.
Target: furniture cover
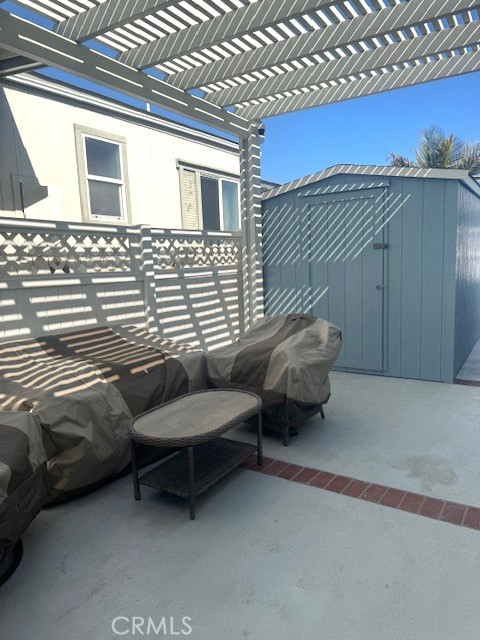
[(286, 360), (24, 480), (66, 404), (67, 401)]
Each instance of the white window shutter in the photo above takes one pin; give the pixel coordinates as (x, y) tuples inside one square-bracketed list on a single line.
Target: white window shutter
[(190, 209)]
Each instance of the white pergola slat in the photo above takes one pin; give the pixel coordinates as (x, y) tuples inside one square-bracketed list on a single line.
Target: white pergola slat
[(234, 24), (444, 68), (108, 15), (357, 29), (37, 43), (259, 57), (408, 50)]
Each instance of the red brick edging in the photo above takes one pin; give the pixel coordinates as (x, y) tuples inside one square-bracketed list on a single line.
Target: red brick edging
[(459, 514)]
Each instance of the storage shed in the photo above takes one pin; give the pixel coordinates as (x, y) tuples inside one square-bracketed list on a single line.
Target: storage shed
[(390, 255)]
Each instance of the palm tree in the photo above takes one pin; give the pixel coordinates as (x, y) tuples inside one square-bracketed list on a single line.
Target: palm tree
[(436, 150)]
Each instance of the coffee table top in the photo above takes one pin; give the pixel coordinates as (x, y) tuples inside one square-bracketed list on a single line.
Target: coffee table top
[(195, 417)]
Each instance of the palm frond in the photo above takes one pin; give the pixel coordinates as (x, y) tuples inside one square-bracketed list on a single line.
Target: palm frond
[(436, 150), (470, 159), (396, 160), (457, 149)]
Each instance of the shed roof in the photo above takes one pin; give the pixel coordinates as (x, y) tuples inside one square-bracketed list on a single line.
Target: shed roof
[(247, 59), (374, 170)]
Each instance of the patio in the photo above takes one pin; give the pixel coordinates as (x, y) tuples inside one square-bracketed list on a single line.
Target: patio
[(270, 557), (367, 526)]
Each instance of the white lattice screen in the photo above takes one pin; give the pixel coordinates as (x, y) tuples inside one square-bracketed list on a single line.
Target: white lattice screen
[(55, 277)]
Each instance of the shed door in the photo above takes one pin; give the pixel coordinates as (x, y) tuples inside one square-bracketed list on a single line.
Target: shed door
[(346, 272)]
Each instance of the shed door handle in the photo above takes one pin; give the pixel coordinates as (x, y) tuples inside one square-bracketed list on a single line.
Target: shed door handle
[(381, 286)]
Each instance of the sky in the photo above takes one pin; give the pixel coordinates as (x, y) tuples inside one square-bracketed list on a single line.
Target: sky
[(359, 131)]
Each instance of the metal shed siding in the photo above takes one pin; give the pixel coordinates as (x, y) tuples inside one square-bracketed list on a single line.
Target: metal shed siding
[(419, 269), (285, 256), (467, 326), (282, 256)]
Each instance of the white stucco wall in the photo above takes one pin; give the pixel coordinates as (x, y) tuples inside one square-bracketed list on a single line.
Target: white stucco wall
[(37, 140)]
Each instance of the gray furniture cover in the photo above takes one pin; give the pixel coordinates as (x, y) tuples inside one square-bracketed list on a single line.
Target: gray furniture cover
[(67, 401), (72, 396), (286, 360), (24, 480)]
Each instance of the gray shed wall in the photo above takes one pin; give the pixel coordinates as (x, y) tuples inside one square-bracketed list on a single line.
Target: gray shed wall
[(467, 325), (422, 298)]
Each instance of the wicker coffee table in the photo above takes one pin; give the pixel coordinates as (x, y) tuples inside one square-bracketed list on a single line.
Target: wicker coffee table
[(194, 422)]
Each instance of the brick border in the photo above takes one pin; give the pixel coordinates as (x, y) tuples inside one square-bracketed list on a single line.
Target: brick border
[(460, 514)]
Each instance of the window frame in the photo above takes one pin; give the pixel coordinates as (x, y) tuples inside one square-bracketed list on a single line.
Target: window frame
[(81, 133), (215, 174)]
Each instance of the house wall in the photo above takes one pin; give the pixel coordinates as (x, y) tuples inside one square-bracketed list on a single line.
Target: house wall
[(467, 327), (37, 143), (419, 270)]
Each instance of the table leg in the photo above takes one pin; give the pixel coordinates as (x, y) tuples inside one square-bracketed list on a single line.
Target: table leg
[(136, 485), (191, 482), (259, 440), (286, 433)]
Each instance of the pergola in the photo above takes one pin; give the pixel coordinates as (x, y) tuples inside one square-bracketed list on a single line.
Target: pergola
[(230, 63)]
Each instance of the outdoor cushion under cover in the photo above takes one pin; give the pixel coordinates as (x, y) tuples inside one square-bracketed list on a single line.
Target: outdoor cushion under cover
[(286, 359), (85, 386), (24, 480)]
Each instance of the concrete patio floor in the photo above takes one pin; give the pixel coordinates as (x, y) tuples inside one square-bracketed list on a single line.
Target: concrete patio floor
[(414, 435), (471, 368), (270, 559)]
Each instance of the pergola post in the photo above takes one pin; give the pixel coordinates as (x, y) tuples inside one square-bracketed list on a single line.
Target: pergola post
[(251, 214), (147, 267)]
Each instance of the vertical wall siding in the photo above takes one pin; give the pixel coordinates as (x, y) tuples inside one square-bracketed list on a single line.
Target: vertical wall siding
[(283, 256), (420, 269), (394, 334), (432, 278), (448, 371), (467, 329), (411, 262), (419, 305)]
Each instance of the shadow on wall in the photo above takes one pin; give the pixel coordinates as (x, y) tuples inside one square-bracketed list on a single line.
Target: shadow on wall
[(202, 310), (19, 186), (333, 233)]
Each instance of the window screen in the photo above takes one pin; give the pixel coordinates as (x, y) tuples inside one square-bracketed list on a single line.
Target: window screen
[(230, 205), (210, 204)]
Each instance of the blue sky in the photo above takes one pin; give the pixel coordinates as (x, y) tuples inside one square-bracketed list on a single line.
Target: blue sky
[(360, 131)]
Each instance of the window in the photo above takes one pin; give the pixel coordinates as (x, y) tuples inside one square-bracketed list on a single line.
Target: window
[(102, 175), (210, 200)]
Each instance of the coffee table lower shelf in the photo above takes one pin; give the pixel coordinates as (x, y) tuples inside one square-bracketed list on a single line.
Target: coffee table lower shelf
[(212, 461)]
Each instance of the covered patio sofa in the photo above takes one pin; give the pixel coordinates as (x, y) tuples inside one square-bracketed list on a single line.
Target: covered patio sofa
[(67, 400)]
